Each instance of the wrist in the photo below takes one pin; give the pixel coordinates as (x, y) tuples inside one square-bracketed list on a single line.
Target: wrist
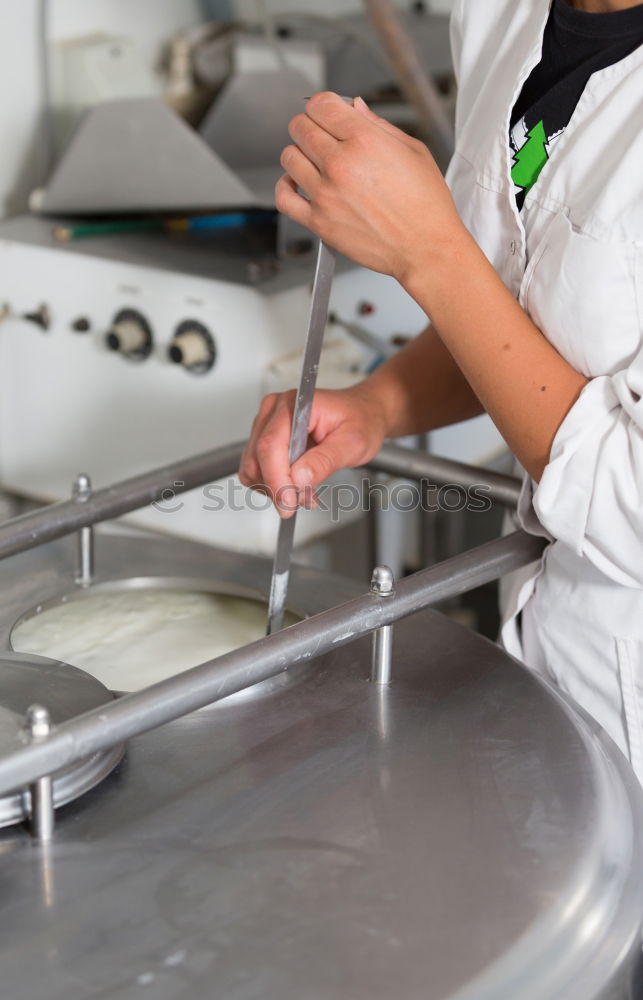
[(374, 396), (439, 270)]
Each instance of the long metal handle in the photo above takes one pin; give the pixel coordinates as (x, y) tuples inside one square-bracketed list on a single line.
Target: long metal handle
[(111, 724), (299, 432)]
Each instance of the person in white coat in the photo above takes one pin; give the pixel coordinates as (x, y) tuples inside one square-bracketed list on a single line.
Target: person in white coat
[(529, 263)]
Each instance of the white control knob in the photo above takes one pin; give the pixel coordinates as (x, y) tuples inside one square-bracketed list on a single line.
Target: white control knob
[(130, 335), (192, 347)]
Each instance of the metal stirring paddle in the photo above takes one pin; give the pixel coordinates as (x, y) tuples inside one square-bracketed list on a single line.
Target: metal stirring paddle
[(299, 431)]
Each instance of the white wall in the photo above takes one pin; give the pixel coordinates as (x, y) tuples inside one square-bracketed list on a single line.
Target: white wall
[(148, 21)]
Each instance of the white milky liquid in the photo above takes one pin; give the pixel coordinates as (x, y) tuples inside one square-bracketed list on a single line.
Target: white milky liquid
[(130, 639)]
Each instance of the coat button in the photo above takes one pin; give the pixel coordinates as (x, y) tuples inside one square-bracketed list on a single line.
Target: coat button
[(513, 246)]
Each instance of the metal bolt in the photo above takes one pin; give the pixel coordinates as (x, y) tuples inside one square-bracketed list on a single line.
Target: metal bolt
[(382, 585), (82, 487), (382, 581), (38, 722), (42, 793), (82, 492)]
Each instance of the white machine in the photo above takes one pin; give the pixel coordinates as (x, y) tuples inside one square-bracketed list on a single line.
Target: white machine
[(123, 353)]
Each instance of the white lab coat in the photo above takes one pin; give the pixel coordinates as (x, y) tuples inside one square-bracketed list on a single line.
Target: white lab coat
[(575, 261)]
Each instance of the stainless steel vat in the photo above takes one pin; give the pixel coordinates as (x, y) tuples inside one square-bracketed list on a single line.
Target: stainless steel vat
[(461, 834)]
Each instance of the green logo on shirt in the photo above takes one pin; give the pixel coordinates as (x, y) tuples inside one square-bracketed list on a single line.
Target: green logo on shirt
[(530, 158)]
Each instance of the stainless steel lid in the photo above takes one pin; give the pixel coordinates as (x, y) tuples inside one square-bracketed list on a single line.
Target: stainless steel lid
[(67, 692)]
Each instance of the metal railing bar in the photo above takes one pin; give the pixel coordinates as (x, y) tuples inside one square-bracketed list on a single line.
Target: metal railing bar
[(56, 520), (410, 463)]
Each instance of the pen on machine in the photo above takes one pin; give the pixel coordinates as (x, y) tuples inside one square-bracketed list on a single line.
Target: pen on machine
[(177, 226)]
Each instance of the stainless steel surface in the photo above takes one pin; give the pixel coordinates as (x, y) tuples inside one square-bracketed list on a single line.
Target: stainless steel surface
[(322, 285), (252, 664), (82, 492), (460, 835), (42, 791), (415, 464), (60, 519), (382, 585), (65, 692)]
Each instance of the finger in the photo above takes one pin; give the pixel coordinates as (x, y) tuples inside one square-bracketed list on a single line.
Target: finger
[(299, 168), (249, 468), (308, 498), (363, 109), (291, 203), (272, 455), (338, 450), (249, 471), (250, 474), (313, 140), (334, 116)]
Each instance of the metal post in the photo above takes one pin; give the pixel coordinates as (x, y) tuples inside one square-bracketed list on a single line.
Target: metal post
[(382, 585), (82, 491), (41, 791)]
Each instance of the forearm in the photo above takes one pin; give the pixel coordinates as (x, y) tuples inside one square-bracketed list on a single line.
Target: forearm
[(524, 384), (377, 196), (421, 388)]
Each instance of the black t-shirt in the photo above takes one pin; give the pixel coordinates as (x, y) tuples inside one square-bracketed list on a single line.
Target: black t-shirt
[(575, 45)]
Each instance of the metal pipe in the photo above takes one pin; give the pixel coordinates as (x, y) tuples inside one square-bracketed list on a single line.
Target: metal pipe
[(170, 699), (414, 82), (57, 520), (41, 791), (382, 585), (410, 463), (81, 493), (60, 519)]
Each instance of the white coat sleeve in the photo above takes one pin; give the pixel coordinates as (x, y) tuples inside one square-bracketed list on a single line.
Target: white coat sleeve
[(590, 496)]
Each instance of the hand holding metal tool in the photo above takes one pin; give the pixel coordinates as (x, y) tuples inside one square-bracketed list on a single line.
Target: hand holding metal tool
[(300, 421)]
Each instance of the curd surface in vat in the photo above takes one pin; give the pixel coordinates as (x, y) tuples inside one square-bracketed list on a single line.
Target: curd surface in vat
[(132, 638)]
